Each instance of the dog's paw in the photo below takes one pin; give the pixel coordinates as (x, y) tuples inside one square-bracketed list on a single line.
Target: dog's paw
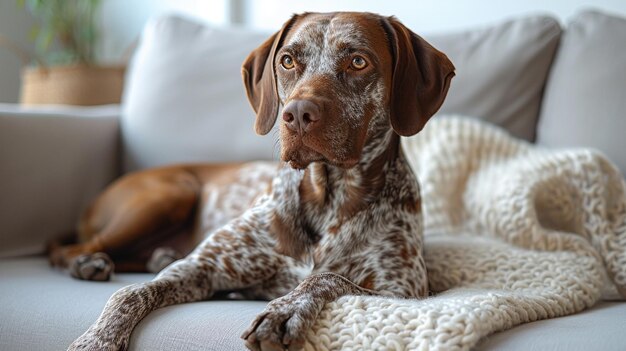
[(56, 257), (282, 325), (161, 258), (97, 267)]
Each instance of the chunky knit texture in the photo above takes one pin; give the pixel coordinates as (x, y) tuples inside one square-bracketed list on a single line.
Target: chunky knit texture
[(514, 233)]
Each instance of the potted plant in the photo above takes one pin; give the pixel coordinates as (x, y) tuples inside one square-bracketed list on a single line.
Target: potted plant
[(67, 71)]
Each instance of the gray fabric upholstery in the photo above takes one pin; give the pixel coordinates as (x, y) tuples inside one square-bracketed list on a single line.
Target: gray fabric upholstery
[(501, 71), (594, 329), (585, 97), (53, 162), (43, 309)]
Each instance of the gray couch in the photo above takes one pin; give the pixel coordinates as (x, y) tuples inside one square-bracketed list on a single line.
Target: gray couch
[(558, 86)]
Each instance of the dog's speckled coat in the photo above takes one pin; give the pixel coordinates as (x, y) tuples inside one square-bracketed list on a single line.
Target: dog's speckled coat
[(343, 214)]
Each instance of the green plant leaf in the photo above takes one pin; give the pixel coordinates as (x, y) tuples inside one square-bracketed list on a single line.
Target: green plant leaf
[(33, 5), (47, 38), (66, 29), (34, 32)]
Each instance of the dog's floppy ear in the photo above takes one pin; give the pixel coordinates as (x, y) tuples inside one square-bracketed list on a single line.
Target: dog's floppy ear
[(421, 78), (259, 78)]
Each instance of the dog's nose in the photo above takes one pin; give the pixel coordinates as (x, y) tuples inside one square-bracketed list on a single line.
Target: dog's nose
[(301, 115)]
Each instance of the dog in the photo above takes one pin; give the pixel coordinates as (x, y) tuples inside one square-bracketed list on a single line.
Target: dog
[(340, 215)]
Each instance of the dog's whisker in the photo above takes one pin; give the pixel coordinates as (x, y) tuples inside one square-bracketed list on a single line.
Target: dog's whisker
[(276, 147)]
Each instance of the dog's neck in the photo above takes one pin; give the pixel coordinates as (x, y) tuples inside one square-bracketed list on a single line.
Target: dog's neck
[(324, 190), (350, 190)]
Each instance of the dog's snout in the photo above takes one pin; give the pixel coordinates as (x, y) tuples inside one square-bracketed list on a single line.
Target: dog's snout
[(301, 115)]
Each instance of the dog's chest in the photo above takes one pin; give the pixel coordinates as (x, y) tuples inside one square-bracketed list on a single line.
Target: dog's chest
[(371, 234)]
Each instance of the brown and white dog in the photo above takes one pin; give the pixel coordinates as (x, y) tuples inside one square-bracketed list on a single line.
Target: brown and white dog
[(341, 214)]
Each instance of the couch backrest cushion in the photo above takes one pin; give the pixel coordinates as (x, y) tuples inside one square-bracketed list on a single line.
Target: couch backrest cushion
[(585, 97), (501, 71), (184, 99)]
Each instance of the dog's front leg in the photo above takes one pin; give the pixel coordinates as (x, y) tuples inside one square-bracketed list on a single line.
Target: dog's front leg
[(184, 281), (285, 321), (238, 256)]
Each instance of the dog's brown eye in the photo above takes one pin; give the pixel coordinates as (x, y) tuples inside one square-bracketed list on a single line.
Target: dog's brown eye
[(358, 63), (287, 62)]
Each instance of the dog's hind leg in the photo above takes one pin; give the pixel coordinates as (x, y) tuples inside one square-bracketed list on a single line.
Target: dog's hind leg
[(130, 211)]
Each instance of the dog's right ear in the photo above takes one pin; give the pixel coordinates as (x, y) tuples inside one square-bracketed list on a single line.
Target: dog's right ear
[(259, 77)]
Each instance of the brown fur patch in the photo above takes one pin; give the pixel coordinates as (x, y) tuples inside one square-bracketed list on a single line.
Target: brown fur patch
[(228, 267), (313, 186), (368, 282), (288, 242)]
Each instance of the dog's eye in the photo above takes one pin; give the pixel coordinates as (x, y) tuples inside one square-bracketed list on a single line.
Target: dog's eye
[(358, 63), (287, 62)]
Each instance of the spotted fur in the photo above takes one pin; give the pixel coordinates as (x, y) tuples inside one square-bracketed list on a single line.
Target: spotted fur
[(342, 214)]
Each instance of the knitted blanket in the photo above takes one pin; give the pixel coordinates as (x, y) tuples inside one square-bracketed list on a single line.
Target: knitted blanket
[(514, 233)]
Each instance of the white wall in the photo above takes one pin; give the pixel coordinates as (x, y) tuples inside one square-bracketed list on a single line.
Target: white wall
[(426, 15), (15, 24), (121, 21)]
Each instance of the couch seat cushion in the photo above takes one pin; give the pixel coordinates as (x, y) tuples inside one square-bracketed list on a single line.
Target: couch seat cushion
[(43, 309)]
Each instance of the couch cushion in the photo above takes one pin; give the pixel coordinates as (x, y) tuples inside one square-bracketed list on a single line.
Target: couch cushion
[(184, 99), (585, 98), (593, 329), (501, 71), (45, 309), (53, 162)]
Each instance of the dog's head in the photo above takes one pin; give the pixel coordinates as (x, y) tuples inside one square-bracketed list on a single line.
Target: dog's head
[(340, 78)]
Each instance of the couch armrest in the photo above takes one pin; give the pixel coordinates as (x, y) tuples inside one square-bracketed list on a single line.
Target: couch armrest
[(53, 161)]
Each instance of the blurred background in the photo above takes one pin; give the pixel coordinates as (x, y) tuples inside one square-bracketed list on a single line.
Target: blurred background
[(118, 23)]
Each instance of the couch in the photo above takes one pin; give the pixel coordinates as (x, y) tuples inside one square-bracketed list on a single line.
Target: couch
[(558, 85)]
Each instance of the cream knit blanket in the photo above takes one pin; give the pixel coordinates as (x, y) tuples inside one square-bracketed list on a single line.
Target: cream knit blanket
[(514, 233)]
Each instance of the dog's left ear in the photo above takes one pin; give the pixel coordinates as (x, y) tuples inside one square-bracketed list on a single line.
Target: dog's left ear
[(421, 78), (259, 78)]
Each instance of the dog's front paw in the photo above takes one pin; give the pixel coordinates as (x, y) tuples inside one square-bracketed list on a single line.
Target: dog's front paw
[(282, 325), (98, 267)]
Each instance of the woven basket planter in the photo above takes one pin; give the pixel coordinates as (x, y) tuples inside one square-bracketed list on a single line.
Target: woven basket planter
[(72, 85)]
